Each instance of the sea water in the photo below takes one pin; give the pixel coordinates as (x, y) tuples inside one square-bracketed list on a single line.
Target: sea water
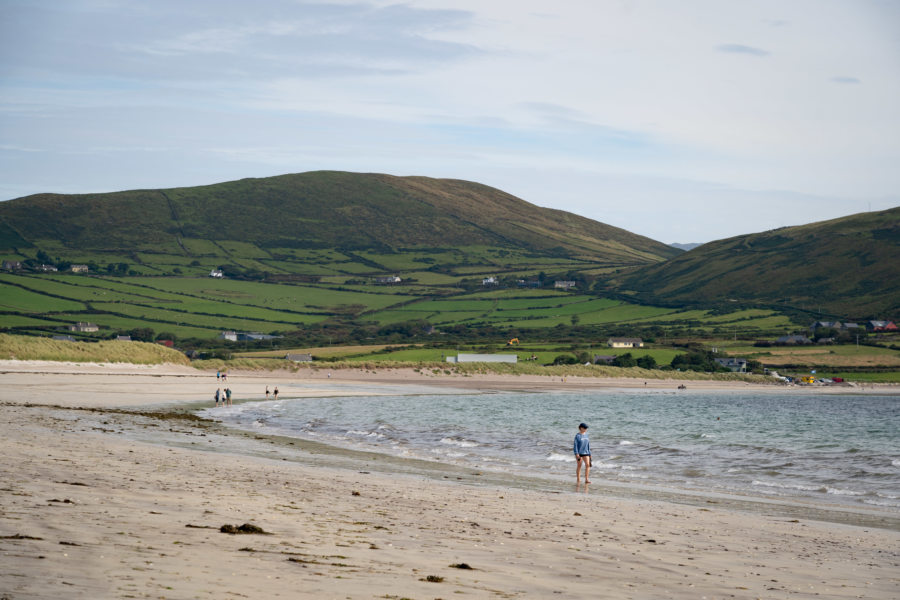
[(839, 449)]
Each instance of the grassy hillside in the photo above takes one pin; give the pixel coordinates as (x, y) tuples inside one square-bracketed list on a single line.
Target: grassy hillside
[(269, 220), (847, 267)]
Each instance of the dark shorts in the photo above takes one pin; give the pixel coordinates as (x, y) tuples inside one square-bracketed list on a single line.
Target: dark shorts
[(583, 455)]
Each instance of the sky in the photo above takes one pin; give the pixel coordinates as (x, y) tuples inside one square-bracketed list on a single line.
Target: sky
[(682, 121)]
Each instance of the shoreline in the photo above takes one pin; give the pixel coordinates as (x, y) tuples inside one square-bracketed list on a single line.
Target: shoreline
[(120, 516)]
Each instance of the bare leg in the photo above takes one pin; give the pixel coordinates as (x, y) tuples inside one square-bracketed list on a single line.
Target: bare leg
[(587, 469), (577, 469)]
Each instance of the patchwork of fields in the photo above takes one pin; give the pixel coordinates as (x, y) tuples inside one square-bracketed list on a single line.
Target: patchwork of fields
[(202, 307)]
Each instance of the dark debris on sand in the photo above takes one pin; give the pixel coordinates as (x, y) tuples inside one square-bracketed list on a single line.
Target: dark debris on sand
[(245, 528)]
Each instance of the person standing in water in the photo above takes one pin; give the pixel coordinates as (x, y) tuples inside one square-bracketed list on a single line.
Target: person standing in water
[(275, 393), (267, 392), (582, 449)]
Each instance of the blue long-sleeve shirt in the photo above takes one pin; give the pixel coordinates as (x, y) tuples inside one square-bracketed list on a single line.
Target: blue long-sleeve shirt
[(582, 444)]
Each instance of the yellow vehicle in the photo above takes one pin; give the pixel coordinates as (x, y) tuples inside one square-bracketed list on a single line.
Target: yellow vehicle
[(513, 341), (808, 379)]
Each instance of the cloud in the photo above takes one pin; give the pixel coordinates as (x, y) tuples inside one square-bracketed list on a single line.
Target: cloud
[(216, 41), (845, 79), (742, 49)]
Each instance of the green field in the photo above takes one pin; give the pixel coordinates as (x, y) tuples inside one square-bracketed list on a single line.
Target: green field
[(201, 307), (20, 300)]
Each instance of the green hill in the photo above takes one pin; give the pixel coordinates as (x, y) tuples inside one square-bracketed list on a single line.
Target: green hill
[(847, 267), (316, 210)]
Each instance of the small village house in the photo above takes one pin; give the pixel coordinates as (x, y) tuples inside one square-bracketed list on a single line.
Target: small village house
[(736, 365), (12, 265), (563, 285), (79, 268), (83, 327), (217, 273), (491, 358), (881, 326), (246, 336), (625, 342), (489, 281), (389, 280)]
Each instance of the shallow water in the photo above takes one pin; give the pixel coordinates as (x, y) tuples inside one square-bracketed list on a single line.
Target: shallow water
[(826, 448)]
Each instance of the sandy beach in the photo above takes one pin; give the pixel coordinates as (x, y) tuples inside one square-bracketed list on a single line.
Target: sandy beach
[(100, 501)]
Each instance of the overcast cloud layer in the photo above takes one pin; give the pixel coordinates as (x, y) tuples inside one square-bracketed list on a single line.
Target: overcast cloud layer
[(683, 121)]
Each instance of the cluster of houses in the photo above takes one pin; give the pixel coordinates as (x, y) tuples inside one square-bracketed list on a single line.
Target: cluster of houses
[(872, 326), (529, 283), (16, 265), (246, 336)]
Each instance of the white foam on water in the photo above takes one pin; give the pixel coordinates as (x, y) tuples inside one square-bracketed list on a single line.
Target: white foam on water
[(626, 443), (461, 443), (839, 492), (561, 457), (788, 486), (369, 434), (447, 453), (885, 503)]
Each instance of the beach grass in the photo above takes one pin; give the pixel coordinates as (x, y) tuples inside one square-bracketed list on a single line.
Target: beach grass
[(20, 347), (469, 369)]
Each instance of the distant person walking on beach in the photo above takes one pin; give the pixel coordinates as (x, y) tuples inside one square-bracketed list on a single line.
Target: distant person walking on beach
[(582, 449), (218, 375), (228, 395), (267, 392), (275, 393), (218, 395)]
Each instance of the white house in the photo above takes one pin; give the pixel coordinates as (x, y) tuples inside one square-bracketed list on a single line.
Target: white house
[(737, 365), (625, 343), (564, 285), (216, 273), (494, 358), (388, 280), (84, 327), (489, 281)]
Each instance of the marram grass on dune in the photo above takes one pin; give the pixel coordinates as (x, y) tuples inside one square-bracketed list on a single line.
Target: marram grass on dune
[(17, 347), (470, 369)]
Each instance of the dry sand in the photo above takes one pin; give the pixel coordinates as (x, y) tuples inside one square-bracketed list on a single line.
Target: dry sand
[(90, 511)]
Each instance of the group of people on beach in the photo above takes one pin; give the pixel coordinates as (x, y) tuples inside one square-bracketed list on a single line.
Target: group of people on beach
[(223, 397)]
